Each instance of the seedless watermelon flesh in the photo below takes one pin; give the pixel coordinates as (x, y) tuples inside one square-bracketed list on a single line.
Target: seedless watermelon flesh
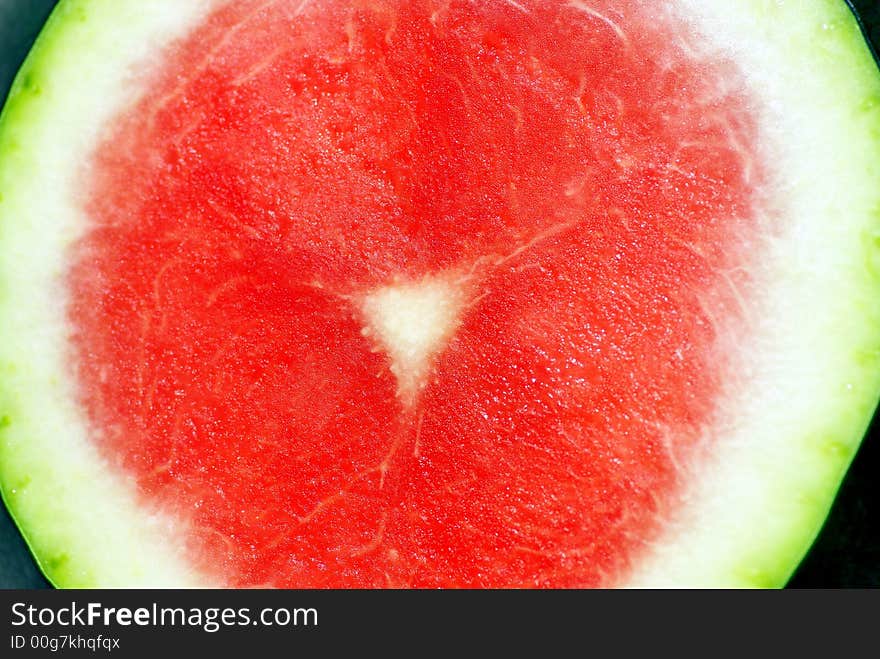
[(451, 295)]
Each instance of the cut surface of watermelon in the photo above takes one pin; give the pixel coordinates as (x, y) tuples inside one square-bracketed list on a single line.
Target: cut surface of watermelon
[(320, 294)]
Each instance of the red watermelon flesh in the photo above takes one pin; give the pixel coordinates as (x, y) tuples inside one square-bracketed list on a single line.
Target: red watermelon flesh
[(567, 189)]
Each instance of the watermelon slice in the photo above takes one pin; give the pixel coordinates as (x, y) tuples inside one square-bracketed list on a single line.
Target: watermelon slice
[(436, 294)]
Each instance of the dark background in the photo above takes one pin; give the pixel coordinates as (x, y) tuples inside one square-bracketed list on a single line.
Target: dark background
[(847, 552)]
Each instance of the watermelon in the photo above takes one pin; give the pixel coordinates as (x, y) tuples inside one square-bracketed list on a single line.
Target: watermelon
[(436, 294)]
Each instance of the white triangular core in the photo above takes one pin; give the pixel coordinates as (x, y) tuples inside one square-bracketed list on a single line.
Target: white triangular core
[(412, 321)]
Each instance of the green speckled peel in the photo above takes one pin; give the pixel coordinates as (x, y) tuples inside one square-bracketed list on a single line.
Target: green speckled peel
[(754, 508), (51, 117), (822, 108)]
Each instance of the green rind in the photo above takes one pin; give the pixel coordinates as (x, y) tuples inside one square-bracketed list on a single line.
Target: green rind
[(23, 105), (75, 544), (825, 41), (849, 60), (831, 46)]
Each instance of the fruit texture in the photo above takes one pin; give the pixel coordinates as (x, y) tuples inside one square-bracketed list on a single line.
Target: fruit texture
[(322, 294)]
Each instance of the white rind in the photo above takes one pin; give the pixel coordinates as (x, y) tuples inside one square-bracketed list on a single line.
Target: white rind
[(787, 430), (102, 535)]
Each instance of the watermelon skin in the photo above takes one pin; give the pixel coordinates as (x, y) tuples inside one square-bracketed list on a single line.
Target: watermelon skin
[(831, 446), (847, 551), (20, 23)]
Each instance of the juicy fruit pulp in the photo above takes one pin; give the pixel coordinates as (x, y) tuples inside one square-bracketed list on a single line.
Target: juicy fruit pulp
[(559, 190)]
